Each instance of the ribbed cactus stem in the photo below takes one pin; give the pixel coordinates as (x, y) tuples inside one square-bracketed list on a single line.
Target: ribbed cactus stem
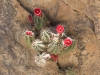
[(67, 49), (40, 22), (29, 37), (54, 45), (45, 36), (28, 41), (38, 45)]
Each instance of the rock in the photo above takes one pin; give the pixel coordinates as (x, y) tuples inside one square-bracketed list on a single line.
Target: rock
[(82, 20)]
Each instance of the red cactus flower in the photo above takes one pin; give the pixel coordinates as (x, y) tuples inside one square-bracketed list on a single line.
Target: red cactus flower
[(30, 33), (60, 29), (54, 57), (30, 18), (67, 41), (37, 11)]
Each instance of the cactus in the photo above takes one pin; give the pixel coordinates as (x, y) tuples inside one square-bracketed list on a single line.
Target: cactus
[(38, 45), (54, 48), (45, 36), (40, 61), (40, 22), (29, 36), (67, 49), (29, 40), (51, 47), (43, 40)]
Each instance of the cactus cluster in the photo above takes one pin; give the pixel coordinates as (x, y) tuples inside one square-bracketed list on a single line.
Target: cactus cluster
[(40, 38)]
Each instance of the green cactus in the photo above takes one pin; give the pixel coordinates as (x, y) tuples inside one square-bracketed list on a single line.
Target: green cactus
[(55, 45), (45, 36), (51, 47), (47, 41), (29, 40), (38, 45), (55, 48), (40, 22), (67, 49)]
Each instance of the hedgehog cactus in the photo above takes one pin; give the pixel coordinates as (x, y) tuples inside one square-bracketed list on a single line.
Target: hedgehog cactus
[(29, 36), (45, 41), (67, 49), (54, 45), (40, 20), (45, 36), (38, 45)]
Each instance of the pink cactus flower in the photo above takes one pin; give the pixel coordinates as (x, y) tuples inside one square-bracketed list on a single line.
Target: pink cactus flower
[(54, 57), (67, 41), (38, 12), (60, 29), (29, 33)]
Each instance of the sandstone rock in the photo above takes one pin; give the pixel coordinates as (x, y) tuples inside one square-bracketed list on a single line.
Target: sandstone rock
[(82, 19)]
